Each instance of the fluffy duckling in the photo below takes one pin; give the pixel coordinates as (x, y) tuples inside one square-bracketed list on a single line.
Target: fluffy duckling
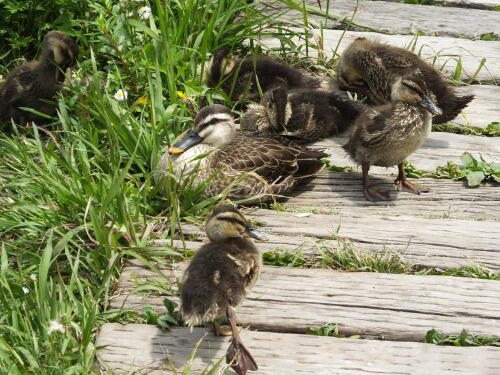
[(34, 84), (306, 114), (242, 78), (219, 277), (258, 169), (370, 68), (386, 135)]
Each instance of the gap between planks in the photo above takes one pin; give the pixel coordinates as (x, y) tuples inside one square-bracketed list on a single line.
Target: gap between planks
[(148, 349), (386, 306)]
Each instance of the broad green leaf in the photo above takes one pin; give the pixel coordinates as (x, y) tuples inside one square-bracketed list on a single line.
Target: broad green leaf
[(468, 160), (475, 178)]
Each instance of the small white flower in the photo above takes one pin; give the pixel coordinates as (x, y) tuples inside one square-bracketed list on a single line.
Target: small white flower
[(33, 276), (144, 12), (25, 290), (121, 95), (55, 326)]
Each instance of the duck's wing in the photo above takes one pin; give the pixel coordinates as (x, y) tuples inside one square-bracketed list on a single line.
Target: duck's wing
[(266, 157), (20, 82)]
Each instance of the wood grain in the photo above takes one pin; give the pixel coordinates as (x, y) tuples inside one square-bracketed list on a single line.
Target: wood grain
[(475, 4), (148, 348), (342, 194), (483, 110), (400, 18), (444, 53), (386, 306)]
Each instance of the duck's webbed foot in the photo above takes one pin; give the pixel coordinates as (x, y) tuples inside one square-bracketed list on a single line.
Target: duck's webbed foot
[(371, 194), (237, 354), (221, 330), (374, 195), (402, 182), (413, 188)]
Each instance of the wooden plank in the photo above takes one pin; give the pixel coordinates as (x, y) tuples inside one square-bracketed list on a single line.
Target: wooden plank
[(444, 53), (386, 306), (475, 4), (400, 18), (148, 348), (342, 194), (483, 110), (442, 243), (438, 149)]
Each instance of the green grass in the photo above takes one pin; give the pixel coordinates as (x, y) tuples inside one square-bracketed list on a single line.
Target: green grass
[(491, 130), (78, 197), (343, 255)]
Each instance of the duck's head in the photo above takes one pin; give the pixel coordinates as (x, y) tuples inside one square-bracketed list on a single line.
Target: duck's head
[(227, 222), (214, 125), (413, 90), (59, 48)]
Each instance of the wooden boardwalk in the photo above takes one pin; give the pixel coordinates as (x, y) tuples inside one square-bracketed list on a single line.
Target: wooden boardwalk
[(452, 226)]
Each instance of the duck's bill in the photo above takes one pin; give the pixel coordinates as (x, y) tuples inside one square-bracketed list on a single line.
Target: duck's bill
[(429, 105), (251, 232), (190, 140)]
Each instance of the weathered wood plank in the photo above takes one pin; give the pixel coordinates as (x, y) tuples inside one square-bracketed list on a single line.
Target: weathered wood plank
[(148, 348), (442, 243), (436, 151), (483, 110), (475, 4), (444, 53), (342, 194), (400, 18), (387, 306)]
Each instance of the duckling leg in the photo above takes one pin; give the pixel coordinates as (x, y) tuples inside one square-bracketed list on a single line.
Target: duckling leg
[(401, 181), (371, 194), (221, 330), (237, 354)]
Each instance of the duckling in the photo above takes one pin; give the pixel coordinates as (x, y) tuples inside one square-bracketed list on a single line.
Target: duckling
[(370, 68), (252, 166), (306, 114), (242, 78), (219, 277), (34, 84), (388, 134)]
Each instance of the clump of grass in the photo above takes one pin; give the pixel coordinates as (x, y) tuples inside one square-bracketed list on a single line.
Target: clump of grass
[(283, 258), (345, 256), (437, 337), (491, 130)]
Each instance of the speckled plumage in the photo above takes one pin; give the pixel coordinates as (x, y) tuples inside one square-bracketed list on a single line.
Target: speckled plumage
[(307, 114), (256, 166), (34, 84), (385, 136), (369, 68), (388, 134)]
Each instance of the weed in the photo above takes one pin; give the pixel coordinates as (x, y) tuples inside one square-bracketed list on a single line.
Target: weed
[(334, 168), (283, 258), (437, 337), (491, 130)]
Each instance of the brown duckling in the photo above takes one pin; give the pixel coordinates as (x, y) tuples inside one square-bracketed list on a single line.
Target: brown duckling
[(386, 135), (370, 68), (219, 277), (305, 114), (34, 84), (241, 78), (258, 169)]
